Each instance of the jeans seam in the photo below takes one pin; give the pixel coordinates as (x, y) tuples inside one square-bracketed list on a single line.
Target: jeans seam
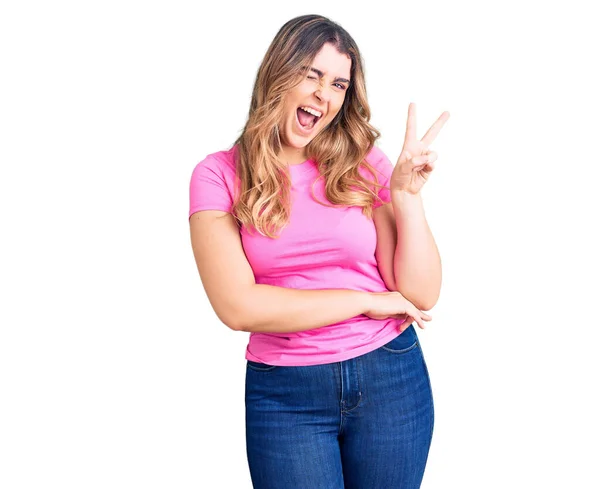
[(270, 368), (360, 396), (432, 410), (404, 350), (341, 428)]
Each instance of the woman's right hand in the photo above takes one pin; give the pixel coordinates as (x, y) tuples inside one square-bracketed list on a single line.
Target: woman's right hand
[(393, 304)]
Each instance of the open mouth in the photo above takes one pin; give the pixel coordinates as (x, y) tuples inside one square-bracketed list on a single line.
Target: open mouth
[(307, 117)]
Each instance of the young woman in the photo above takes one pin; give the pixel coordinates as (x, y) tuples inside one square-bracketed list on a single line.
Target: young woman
[(306, 236)]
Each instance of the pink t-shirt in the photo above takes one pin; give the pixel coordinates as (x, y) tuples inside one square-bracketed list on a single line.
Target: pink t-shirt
[(321, 248)]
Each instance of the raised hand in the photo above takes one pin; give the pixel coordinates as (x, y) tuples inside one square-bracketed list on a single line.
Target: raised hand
[(416, 160)]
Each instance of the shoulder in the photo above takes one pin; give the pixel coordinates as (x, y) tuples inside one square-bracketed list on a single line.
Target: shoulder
[(212, 184), (220, 162), (379, 161), (377, 158)]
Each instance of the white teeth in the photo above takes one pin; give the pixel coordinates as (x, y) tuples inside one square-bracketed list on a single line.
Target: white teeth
[(312, 111)]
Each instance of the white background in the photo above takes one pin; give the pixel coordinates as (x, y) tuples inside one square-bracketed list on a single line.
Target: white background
[(114, 370)]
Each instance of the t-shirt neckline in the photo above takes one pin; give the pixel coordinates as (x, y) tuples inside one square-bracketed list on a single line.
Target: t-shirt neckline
[(303, 167)]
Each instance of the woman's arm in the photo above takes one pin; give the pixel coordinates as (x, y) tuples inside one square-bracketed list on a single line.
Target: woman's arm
[(417, 262), (271, 309), (243, 305)]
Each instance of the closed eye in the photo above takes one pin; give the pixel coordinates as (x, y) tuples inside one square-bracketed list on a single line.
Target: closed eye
[(342, 87)]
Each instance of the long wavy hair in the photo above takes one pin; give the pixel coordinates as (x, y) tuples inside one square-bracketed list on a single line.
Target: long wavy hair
[(262, 200)]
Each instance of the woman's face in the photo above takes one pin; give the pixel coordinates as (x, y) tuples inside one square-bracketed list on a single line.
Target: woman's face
[(323, 91)]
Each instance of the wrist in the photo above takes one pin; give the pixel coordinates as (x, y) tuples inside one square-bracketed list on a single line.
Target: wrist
[(367, 299), (404, 194), (406, 202)]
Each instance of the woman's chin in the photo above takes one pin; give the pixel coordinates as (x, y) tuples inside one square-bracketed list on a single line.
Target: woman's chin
[(299, 140)]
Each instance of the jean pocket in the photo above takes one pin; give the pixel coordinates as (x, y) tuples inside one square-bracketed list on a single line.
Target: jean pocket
[(404, 342), (260, 367)]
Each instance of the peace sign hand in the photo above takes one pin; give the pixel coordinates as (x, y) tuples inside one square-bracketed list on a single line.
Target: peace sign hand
[(416, 159)]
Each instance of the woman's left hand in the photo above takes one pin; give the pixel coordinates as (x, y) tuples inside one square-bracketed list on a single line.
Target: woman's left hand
[(416, 159)]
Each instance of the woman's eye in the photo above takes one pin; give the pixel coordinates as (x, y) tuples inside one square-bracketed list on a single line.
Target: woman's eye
[(339, 85)]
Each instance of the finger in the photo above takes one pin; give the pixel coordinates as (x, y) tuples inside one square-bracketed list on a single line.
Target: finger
[(432, 156), (428, 167), (406, 324), (424, 160), (411, 124), (418, 315), (433, 131), (420, 323), (419, 162)]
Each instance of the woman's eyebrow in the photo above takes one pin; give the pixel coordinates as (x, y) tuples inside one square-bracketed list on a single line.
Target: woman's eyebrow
[(320, 73)]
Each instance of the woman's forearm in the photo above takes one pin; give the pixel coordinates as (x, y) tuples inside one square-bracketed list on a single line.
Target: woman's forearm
[(417, 263), (271, 309)]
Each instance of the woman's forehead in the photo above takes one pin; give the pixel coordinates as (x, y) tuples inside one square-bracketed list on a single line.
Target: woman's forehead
[(330, 62)]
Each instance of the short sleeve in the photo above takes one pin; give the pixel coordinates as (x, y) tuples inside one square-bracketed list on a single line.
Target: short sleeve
[(210, 186), (383, 169)]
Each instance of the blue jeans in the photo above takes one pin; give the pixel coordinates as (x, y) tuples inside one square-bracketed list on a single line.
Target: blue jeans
[(364, 423)]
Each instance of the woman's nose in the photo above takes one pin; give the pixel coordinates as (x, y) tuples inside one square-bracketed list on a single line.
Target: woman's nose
[(323, 94)]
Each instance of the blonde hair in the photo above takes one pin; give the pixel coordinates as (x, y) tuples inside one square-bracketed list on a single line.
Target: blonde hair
[(262, 199)]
